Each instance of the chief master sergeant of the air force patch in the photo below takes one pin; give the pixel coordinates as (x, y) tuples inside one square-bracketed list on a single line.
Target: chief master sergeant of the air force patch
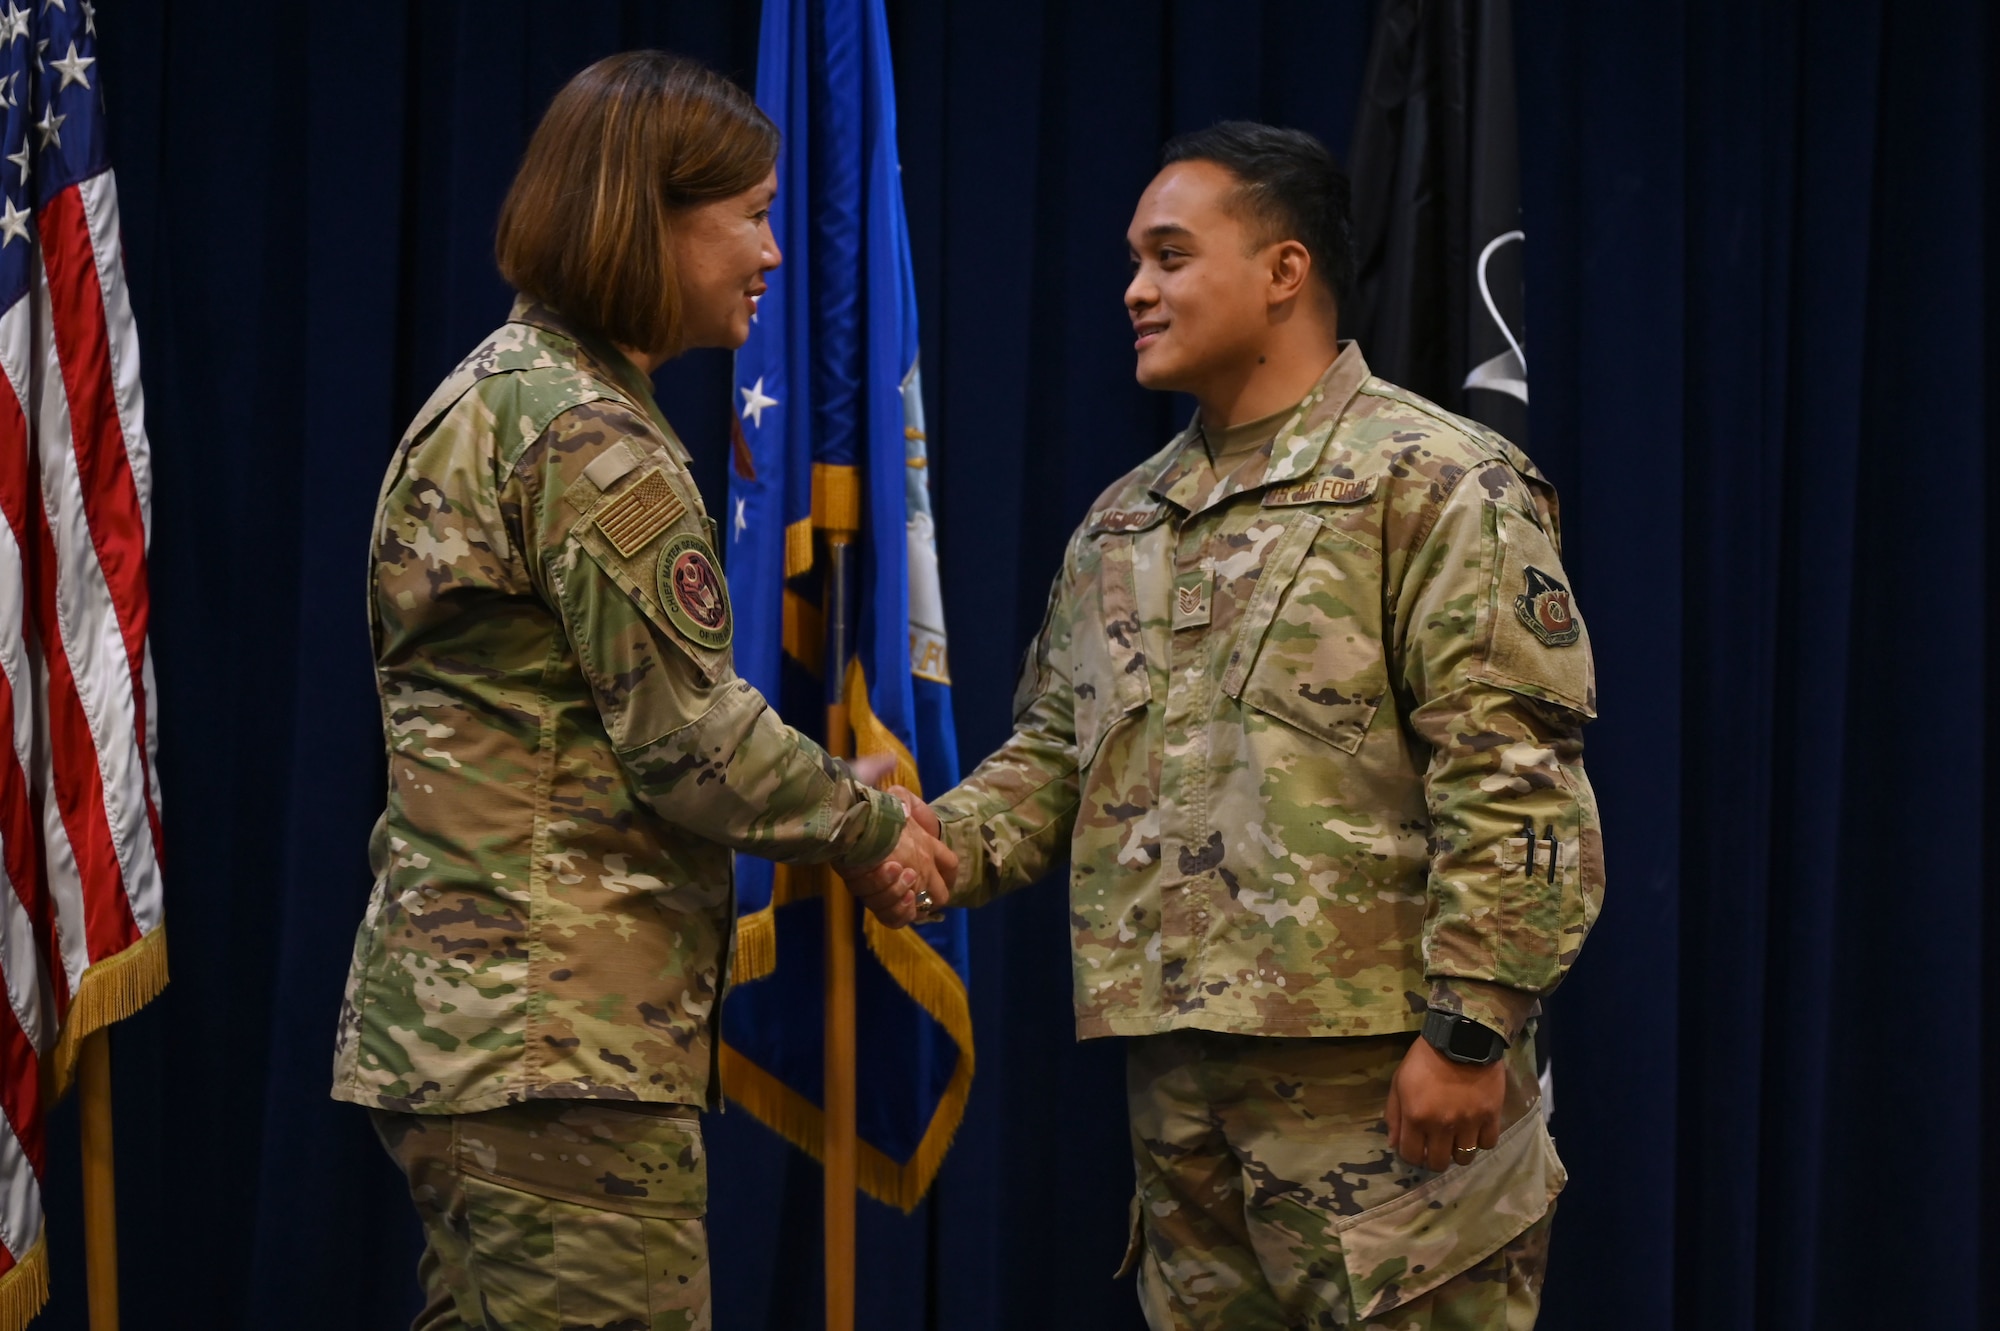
[(693, 592)]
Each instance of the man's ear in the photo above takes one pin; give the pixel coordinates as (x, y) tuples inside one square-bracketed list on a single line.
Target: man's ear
[(1290, 269)]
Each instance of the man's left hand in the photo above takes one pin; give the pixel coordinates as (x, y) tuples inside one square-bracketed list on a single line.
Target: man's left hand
[(1437, 1106)]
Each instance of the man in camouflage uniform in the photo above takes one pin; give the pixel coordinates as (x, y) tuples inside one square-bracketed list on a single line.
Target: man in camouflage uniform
[(1305, 715)]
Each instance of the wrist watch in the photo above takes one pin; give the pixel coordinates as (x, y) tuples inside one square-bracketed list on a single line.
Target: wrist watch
[(1463, 1040)]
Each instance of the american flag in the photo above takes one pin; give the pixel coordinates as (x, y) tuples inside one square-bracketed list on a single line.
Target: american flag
[(81, 941)]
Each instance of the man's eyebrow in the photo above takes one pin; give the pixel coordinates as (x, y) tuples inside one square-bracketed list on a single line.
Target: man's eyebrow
[(1162, 230)]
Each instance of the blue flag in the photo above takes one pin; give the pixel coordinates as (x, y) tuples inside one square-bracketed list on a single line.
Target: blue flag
[(830, 437)]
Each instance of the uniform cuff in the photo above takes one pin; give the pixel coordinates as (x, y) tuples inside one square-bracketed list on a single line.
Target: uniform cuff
[(885, 818), (1494, 1006), (960, 833)]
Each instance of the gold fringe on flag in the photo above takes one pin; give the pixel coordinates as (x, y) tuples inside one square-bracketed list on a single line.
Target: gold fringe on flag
[(756, 947), (800, 1122), (917, 970), (799, 547), (836, 497), (757, 932), (931, 982), (803, 632), (25, 1287), (112, 990), (929, 979), (872, 737)]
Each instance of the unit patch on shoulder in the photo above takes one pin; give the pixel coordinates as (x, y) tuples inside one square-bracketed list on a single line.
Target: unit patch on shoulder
[(1320, 490), (693, 592), (633, 519), (1545, 608)]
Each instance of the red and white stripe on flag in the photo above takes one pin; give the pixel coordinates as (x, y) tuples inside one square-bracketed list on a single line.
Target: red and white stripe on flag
[(81, 937)]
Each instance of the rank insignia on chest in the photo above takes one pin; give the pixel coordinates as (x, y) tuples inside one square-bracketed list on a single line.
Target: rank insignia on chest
[(693, 592), (633, 519), (1193, 593), (1545, 608)]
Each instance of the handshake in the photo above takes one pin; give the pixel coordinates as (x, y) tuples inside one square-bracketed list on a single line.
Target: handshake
[(914, 882)]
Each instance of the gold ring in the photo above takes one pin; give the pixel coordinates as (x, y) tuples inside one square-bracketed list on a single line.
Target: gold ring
[(924, 903)]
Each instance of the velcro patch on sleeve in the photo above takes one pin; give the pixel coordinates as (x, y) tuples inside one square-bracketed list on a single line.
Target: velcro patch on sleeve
[(612, 465), (1537, 642), (1320, 490), (632, 520)]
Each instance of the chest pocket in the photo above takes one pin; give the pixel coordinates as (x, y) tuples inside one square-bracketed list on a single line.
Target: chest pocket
[(1310, 649), (1110, 675)]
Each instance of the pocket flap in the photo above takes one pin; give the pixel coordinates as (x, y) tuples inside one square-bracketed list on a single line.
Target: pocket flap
[(638, 1160), (1310, 650), (1135, 1240), (1404, 1248), (1109, 672)]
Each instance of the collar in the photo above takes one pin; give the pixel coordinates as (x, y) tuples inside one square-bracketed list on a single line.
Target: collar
[(1183, 479), (602, 360)]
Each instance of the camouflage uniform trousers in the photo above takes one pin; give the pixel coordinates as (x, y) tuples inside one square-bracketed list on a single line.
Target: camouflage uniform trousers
[(558, 1215), (1268, 1196)]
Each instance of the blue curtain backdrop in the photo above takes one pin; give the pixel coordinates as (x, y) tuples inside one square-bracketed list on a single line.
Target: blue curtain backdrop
[(1760, 329)]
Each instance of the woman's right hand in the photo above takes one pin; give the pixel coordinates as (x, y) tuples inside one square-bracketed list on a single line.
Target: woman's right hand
[(919, 863)]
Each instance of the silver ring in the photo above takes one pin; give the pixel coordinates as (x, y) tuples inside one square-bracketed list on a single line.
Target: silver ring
[(924, 903), (1469, 1150)]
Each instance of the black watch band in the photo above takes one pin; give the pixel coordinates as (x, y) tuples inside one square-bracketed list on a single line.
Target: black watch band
[(1463, 1040)]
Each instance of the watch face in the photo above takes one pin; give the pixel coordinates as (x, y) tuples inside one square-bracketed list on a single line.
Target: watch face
[(1471, 1040)]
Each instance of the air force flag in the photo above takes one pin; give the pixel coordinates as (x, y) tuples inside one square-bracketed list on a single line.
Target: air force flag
[(830, 438)]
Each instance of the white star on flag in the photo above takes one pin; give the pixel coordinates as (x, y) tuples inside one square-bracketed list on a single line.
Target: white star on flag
[(742, 523), (754, 403), (72, 66), (14, 225), (50, 127)]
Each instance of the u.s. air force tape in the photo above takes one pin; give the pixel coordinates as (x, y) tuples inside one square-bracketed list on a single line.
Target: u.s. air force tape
[(693, 592), (1320, 490)]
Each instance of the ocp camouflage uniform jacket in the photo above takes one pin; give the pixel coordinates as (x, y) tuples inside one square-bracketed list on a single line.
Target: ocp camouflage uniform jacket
[(1309, 733), (572, 758)]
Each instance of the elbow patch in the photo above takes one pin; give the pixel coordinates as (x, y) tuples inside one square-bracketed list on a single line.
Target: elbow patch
[(1535, 643)]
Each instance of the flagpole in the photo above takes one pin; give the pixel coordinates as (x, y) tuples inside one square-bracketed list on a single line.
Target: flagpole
[(100, 1194), (839, 1100)]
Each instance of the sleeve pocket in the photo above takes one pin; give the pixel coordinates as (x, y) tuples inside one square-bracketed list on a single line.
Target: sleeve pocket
[(1536, 644)]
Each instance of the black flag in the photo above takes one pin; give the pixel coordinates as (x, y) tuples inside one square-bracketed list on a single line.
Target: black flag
[(1437, 305)]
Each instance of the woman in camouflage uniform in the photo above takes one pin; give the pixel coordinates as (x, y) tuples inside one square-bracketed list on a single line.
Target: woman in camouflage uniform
[(531, 1013)]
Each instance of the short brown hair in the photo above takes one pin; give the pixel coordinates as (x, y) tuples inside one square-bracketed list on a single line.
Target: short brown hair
[(587, 225)]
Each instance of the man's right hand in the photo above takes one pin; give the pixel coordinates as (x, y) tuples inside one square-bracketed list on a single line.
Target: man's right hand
[(918, 863)]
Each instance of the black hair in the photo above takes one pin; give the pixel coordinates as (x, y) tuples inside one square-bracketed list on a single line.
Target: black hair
[(1290, 184)]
